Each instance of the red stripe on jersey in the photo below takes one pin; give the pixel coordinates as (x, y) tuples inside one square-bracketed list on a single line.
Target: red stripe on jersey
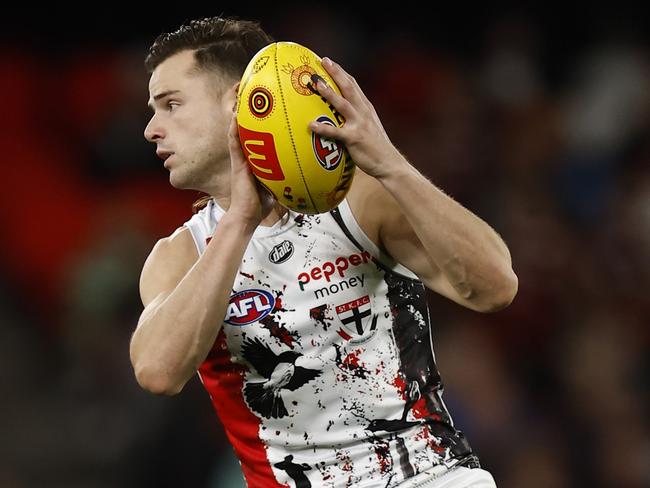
[(224, 381)]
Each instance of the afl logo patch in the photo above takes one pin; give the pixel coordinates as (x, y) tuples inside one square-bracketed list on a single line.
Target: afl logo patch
[(248, 306), (260, 102), (328, 151), (281, 253)]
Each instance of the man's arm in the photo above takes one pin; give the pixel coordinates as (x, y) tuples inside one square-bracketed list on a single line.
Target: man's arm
[(453, 251), (185, 299), (185, 296)]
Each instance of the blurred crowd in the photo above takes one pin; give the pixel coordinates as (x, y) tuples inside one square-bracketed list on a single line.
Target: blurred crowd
[(550, 144)]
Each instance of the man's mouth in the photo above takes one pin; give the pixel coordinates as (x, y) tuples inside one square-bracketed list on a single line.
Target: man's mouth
[(164, 155)]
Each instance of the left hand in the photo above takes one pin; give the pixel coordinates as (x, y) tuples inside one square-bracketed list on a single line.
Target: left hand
[(363, 134)]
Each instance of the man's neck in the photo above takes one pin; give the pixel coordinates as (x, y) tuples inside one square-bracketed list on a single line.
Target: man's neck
[(220, 192), (276, 213)]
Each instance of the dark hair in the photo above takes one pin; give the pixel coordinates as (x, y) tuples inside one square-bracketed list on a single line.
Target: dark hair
[(225, 44)]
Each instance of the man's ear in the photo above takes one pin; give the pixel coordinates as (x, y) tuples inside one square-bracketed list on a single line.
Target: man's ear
[(230, 97)]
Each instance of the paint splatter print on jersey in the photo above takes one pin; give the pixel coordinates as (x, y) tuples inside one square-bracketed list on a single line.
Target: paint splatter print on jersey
[(323, 373)]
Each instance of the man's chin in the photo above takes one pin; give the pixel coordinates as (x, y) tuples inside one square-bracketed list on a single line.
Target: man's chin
[(181, 183), (177, 182)]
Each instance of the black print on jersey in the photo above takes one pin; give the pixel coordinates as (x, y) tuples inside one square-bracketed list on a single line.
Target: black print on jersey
[(281, 253), (384, 425), (295, 471), (281, 373), (351, 363), (279, 332), (385, 439), (410, 318)]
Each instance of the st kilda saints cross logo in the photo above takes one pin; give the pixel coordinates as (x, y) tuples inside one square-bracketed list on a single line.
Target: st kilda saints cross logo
[(356, 319)]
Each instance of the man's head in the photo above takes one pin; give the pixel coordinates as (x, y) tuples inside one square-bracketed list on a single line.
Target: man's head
[(194, 72)]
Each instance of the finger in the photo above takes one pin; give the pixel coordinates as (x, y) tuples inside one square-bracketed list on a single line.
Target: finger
[(326, 130), (346, 83), (232, 127), (343, 106), (234, 144), (233, 131)]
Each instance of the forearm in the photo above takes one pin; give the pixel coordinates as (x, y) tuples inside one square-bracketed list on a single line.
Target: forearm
[(176, 335), (470, 254)]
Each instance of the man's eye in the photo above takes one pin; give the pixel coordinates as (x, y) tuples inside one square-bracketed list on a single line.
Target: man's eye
[(171, 105)]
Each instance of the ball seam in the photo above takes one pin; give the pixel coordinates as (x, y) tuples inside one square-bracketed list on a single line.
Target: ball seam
[(286, 116)]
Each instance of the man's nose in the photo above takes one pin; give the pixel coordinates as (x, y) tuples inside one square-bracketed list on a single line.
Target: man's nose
[(153, 131)]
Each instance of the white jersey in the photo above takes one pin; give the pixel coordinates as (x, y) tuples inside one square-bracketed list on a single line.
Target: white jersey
[(323, 373)]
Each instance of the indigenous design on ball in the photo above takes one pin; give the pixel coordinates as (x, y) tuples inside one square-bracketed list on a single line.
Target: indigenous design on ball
[(301, 76), (260, 102), (328, 151), (260, 63), (306, 173), (287, 193)]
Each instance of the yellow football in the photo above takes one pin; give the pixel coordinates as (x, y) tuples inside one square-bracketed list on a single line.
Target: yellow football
[(277, 99)]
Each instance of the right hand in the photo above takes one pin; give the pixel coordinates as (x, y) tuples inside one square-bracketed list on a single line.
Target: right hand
[(249, 200)]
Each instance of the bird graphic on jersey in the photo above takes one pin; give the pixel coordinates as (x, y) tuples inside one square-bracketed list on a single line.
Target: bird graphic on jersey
[(281, 373)]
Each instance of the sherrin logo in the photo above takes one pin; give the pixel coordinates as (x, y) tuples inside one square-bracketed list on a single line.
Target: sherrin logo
[(328, 152), (248, 306)]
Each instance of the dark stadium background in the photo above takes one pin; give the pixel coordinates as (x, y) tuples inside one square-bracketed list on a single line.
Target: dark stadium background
[(535, 119)]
